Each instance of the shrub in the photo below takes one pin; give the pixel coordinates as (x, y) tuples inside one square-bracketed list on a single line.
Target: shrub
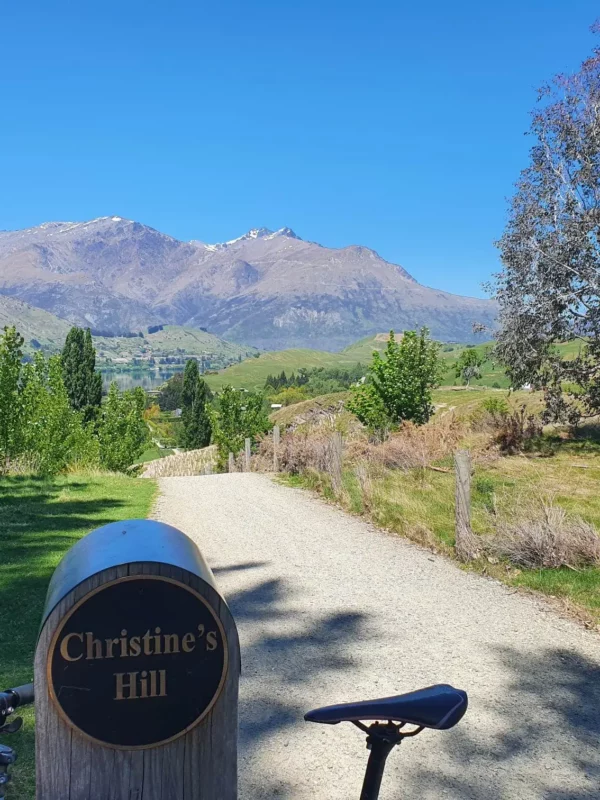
[(517, 430), (497, 406), (547, 538)]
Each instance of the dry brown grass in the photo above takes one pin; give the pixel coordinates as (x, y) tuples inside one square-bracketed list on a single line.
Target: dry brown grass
[(547, 537)]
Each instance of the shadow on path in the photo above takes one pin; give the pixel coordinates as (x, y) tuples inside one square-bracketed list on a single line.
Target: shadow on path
[(550, 716)]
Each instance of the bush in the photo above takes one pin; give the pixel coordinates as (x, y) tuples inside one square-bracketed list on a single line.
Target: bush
[(497, 406), (548, 538), (517, 430)]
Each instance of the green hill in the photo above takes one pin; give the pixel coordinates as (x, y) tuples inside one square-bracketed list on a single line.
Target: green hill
[(252, 373), (40, 329), (44, 331), (172, 342)]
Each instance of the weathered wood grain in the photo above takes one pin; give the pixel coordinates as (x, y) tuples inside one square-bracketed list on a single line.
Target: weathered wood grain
[(201, 765)]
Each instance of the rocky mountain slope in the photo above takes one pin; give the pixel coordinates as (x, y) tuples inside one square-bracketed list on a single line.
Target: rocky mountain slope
[(269, 289)]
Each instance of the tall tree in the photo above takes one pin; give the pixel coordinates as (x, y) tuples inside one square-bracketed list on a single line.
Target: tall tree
[(549, 286), (82, 382), (12, 411), (469, 365), (239, 415), (122, 430), (194, 415)]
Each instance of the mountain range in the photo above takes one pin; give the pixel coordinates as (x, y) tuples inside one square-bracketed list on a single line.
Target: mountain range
[(270, 289)]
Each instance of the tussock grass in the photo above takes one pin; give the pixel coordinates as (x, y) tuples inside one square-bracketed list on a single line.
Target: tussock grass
[(537, 513)]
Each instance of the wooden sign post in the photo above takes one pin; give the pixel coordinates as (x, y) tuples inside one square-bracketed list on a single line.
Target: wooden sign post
[(136, 672)]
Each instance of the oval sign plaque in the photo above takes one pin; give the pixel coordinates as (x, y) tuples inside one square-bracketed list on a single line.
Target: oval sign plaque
[(137, 662)]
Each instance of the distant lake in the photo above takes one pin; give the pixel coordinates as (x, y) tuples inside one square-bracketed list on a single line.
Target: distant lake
[(146, 378)]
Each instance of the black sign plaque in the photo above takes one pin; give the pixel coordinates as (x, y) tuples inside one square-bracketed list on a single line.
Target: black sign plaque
[(137, 662)]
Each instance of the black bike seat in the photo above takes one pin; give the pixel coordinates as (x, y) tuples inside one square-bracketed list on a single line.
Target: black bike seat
[(439, 707)]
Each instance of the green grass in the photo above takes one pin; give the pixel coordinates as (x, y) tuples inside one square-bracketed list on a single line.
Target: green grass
[(152, 453), (39, 521), (419, 504), (252, 373), (416, 502)]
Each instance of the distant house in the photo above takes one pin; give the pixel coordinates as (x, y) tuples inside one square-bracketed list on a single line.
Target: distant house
[(276, 405)]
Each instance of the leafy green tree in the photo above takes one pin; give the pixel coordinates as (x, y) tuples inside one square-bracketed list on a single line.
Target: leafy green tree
[(195, 419), (170, 394), (122, 431), (55, 435), (399, 383), (468, 366), (83, 383), (239, 415), (12, 410)]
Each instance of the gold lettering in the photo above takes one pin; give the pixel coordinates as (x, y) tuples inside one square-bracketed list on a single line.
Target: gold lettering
[(64, 646), (124, 652), (146, 639), (171, 643), (122, 686), (200, 630), (211, 641), (144, 684), (188, 643), (157, 649), (135, 647), (93, 647), (109, 647)]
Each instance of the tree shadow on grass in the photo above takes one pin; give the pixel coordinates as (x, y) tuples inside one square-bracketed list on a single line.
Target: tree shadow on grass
[(549, 744), (39, 522)]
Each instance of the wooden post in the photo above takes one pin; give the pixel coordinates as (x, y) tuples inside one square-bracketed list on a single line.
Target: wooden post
[(231, 463), (336, 462), (136, 672), (247, 454), (466, 543), (276, 448)]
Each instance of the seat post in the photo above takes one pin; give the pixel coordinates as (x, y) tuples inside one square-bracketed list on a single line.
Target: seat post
[(380, 750)]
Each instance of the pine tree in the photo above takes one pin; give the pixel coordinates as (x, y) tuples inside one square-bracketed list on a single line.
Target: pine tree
[(194, 417), (82, 382)]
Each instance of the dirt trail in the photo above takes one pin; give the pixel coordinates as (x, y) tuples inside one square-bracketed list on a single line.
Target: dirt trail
[(331, 610)]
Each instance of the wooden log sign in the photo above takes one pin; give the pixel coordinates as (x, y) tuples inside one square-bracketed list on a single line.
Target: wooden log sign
[(136, 672)]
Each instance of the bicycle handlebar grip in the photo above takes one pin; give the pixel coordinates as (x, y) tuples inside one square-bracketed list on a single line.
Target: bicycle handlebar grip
[(24, 694)]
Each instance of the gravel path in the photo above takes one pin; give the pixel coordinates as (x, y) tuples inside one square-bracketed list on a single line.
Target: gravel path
[(330, 610)]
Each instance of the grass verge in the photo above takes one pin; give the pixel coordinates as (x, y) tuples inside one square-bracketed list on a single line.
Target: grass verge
[(39, 521), (419, 504)]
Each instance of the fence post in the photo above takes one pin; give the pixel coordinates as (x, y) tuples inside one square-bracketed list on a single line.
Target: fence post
[(247, 454), (466, 543), (336, 461), (231, 463), (276, 448)]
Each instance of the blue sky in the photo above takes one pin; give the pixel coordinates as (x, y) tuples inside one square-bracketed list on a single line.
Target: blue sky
[(390, 124)]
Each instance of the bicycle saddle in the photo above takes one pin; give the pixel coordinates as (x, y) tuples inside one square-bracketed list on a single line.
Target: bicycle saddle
[(439, 707)]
